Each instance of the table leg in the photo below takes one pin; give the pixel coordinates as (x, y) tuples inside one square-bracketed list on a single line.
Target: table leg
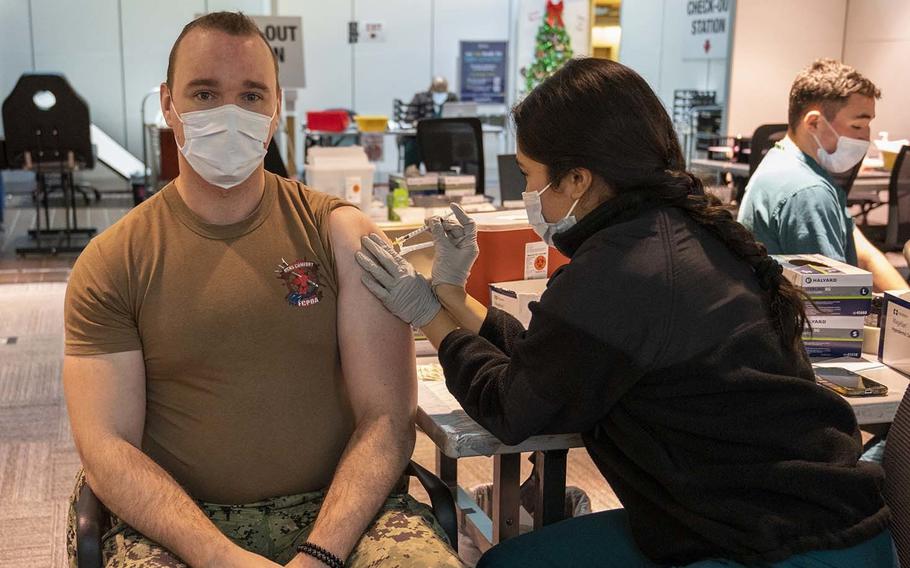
[(551, 489), (447, 470), (506, 496)]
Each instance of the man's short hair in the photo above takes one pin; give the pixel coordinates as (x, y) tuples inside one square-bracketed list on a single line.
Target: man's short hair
[(231, 23), (827, 83)]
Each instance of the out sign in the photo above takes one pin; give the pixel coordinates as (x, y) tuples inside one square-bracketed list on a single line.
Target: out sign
[(278, 36), (285, 37)]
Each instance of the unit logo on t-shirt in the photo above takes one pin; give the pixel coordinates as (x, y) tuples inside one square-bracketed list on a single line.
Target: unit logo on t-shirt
[(302, 281)]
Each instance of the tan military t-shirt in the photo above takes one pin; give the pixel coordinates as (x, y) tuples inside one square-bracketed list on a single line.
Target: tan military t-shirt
[(237, 326)]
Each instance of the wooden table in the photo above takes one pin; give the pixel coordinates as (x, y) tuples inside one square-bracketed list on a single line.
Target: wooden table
[(456, 435)]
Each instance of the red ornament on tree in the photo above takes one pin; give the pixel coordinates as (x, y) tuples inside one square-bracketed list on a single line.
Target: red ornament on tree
[(554, 12)]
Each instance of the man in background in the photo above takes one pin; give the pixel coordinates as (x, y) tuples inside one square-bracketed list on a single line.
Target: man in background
[(425, 104), (793, 204)]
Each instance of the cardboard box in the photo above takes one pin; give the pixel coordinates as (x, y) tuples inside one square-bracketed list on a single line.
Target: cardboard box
[(894, 343), (456, 181), (834, 336), (422, 184), (513, 297), (836, 288)]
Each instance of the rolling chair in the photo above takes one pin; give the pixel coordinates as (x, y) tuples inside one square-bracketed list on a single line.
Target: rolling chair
[(273, 162), (897, 478), (92, 517), (892, 236), (845, 180), (763, 139), (446, 143)]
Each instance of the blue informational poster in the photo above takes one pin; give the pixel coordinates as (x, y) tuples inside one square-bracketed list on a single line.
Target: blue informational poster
[(483, 71)]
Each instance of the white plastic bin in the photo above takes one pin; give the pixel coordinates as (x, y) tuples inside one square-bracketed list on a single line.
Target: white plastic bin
[(351, 182)]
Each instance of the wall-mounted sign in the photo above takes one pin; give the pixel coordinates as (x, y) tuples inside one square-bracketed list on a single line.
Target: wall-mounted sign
[(285, 36), (372, 32), (483, 71), (707, 29)]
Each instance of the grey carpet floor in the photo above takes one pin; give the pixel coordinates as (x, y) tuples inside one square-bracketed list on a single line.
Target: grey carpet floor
[(38, 461), (37, 457)]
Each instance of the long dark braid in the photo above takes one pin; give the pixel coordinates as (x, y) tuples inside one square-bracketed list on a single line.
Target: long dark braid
[(602, 116), (785, 301)]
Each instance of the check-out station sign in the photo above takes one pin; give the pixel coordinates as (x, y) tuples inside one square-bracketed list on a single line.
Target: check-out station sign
[(707, 29), (285, 37)]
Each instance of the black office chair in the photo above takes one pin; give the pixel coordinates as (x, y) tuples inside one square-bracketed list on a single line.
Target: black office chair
[(897, 478), (92, 518), (273, 162), (891, 237), (446, 143), (763, 139), (846, 179)]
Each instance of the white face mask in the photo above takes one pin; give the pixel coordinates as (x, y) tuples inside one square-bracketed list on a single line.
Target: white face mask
[(224, 144), (544, 229), (439, 98), (848, 153)]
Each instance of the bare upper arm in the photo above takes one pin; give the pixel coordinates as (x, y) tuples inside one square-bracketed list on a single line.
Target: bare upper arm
[(105, 396), (377, 348)]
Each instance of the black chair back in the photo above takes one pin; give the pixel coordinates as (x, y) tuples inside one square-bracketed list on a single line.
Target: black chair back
[(273, 162), (763, 139), (845, 180), (897, 478), (50, 131), (898, 229), (446, 143)]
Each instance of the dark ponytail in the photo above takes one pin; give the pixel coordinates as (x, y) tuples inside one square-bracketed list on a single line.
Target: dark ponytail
[(602, 116)]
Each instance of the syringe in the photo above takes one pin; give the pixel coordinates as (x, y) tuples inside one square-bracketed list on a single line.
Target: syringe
[(400, 240)]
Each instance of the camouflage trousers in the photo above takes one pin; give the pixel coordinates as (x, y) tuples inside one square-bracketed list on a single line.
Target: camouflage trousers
[(404, 534)]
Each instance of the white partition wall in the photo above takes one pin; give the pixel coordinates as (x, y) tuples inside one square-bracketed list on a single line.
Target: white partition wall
[(15, 45), (149, 31), (642, 42), (774, 40), (326, 52), (464, 20), (249, 7), (82, 40), (653, 33), (877, 43), (398, 65), (115, 51)]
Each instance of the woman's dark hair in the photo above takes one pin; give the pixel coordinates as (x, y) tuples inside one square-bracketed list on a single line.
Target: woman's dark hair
[(602, 116)]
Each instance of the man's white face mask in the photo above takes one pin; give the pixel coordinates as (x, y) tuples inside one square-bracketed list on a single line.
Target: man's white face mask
[(848, 153), (225, 144), (439, 98)]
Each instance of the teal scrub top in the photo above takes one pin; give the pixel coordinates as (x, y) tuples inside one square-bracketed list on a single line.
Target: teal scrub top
[(794, 207)]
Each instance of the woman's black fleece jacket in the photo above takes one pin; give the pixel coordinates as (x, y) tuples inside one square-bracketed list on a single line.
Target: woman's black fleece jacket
[(655, 344)]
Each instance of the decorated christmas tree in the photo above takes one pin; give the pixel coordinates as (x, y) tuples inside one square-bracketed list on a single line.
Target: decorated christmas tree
[(552, 49)]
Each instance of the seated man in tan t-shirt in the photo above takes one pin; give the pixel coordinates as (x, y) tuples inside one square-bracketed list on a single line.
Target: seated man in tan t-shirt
[(235, 393)]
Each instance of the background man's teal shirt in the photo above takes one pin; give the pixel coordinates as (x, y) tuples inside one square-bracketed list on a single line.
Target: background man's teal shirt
[(794, 207)]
